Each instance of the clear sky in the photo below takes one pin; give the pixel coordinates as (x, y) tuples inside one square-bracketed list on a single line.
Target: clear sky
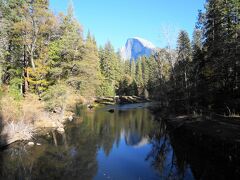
[(117, 20)]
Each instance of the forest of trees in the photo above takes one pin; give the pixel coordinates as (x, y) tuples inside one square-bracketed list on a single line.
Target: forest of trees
[(43, 53), (207, 70)]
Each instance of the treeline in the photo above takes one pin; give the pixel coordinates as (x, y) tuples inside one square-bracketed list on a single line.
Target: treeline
[(202, 74), (205, 75), (41, 52), (40, 49)]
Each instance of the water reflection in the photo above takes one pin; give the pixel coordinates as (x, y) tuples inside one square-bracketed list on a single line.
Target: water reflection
[(126, 144)]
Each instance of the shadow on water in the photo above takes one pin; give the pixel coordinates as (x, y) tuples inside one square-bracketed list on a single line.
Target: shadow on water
[(3, 146), (207, 158), (182, 154), (126, 144)]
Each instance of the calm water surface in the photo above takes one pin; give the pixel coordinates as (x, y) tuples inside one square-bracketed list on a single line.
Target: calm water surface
[(126, 144)]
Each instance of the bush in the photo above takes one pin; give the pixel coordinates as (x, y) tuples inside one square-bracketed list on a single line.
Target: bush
[(15, 89), (60, 96), (19, 131)]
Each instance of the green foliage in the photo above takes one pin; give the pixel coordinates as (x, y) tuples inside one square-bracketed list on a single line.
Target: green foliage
[(128, 87), (106, 89), (15, 88), (39, 50), (56, 96), (111, 67)]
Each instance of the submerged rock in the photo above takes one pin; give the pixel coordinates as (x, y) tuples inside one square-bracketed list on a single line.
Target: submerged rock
[(111, 110), (31, 143)]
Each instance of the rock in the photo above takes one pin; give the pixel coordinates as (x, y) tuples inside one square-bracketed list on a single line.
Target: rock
[(60, 130), (90, 106), (31, 143), (57, 110), (70, 118), (111, 110)]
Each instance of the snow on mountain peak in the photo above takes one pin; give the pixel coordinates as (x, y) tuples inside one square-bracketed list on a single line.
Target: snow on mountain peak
[(146, 43), (137, 47)]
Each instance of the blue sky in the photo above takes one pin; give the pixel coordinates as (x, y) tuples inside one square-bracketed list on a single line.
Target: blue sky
[(117, 20)]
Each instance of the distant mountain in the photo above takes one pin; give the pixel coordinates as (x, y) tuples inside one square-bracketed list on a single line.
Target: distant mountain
[(137, 47)]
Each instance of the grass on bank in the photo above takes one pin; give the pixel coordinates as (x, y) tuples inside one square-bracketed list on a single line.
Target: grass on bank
[(21, 116)]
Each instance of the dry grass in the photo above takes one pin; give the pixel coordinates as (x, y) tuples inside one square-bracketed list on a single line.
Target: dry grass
[(234, 115), (32, 109), (26, 110), (17, 118), (16, 131), (10, 109)]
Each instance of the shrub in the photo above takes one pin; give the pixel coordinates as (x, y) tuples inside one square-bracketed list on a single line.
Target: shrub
[(16, 131), (60, 96)]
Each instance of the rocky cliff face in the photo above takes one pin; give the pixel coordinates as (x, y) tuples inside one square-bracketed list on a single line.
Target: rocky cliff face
[(137, 47)]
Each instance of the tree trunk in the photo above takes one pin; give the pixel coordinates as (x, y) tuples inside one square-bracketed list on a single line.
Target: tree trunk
[(25, 73), (26, 76)]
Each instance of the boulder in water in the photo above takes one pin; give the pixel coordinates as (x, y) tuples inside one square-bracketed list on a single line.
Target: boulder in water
[(111, 110)]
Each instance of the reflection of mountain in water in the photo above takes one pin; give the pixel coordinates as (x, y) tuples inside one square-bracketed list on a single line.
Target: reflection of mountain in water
[(74, 154), (135, 139)]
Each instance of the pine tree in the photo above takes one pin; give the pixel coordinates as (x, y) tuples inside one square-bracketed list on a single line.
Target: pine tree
[(221, 39), (139, 76), (110, 66), (182, 67), (89, 69), (145, 72), (133, 69), (197, 69)]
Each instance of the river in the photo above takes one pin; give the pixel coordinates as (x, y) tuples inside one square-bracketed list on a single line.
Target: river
[(126, 144)]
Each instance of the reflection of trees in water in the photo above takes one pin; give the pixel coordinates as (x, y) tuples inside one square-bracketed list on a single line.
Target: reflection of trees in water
[(162, 155), (183, 154), (21, 169), (134, 124), (73, 155), (208, 157)]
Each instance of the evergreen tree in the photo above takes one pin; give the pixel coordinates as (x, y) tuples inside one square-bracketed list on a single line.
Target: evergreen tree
[(90, 74), (110, 66), (197, 69), (139, 76), (222, 60), (133, 69), (182, 68)]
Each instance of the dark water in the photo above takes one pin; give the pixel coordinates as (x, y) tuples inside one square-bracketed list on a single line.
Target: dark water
[(126, 144)]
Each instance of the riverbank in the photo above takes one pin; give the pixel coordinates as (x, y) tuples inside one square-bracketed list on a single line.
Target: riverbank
[(215, 126), (23, 119), (207, 142), (22, 131), (211, 156), (31, 116), (121, 100)]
